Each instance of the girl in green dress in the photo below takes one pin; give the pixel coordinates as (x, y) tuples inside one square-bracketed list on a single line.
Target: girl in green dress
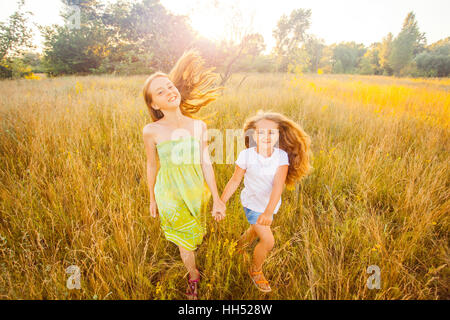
[(179, 185)]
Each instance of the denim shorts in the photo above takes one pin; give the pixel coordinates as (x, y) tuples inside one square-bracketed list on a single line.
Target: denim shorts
[(252, 216)]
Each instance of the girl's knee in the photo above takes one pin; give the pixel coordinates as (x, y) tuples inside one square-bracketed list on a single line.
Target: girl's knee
[(268, 243), (265, 237)]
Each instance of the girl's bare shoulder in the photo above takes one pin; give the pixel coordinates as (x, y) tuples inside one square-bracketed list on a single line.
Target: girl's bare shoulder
[(150, 131)]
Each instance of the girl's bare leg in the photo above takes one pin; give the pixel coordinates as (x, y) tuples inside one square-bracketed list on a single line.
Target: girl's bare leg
[(188, 258), (264, 246)]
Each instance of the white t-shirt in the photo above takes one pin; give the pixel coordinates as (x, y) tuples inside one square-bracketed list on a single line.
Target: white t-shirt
[(259, 176)]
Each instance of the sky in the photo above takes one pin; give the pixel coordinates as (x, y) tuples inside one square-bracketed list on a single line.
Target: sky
[(362, 21)]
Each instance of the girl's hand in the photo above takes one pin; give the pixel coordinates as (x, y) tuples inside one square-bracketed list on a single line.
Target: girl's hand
[(153, 209), (265, 219), (218, 210)]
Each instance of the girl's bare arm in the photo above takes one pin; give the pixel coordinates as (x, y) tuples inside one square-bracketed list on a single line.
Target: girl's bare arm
[(233, 184), (208, 171), (151, 165), (277, 190)]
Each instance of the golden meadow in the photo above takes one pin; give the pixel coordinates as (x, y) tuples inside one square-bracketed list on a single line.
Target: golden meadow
[(74, 192)]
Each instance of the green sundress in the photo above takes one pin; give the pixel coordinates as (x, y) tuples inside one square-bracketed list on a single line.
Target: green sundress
[(181, 192)]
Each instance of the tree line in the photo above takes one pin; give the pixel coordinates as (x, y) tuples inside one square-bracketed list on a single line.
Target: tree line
[(139, 37)]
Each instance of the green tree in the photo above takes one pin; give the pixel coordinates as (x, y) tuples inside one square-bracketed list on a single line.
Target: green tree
[(15, 35), (71, 48), (314, 48), (347, 57), (326, 61), (384, 54), (34, 60), (406, 46), (435, 61), (15, 39), (289, 34), (148, 34), (370, 63), (120, 37), (440, 47)]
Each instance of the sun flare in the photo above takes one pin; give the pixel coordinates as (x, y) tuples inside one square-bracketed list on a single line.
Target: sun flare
[(209, 25)]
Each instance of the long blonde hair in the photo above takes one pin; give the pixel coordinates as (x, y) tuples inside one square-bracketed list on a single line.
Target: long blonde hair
[(292, 139), (194, 82)]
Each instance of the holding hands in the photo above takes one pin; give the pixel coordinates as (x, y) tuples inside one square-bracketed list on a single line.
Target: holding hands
[(218, 209)]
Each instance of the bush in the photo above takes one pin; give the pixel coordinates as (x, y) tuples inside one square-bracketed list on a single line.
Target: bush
[(433, 64), (5, 72), (260, 64), (130, 64), (14, 69)]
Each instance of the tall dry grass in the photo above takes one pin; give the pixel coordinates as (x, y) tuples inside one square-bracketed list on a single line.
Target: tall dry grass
[(74, 192)]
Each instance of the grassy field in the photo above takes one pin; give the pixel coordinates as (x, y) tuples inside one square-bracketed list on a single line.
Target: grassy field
[(74, 192)]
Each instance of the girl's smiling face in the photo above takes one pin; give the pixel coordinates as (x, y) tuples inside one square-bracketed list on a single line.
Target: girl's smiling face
[(164, 94), (266, 134)]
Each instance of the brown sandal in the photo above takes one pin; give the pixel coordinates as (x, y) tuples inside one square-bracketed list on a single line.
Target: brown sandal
[(192, 289)]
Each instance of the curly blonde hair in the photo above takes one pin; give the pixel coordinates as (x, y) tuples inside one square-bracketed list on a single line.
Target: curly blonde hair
[(292, 139), (194, 82)]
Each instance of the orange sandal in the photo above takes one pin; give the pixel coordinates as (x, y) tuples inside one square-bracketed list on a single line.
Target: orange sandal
[(259, 283)]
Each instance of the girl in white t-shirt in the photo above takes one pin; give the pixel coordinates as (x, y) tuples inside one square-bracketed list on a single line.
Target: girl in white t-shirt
[(277, 154)]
